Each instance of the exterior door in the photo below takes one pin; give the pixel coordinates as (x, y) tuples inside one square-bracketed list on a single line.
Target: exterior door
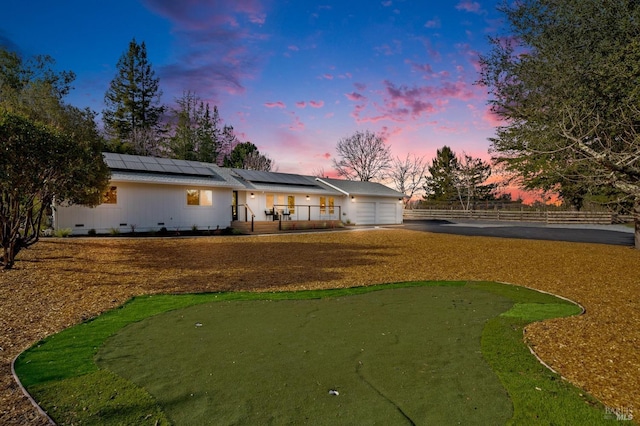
[(234, 206)]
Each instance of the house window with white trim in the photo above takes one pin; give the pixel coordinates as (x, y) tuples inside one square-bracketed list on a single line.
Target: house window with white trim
[(199, 197), (324, 201)]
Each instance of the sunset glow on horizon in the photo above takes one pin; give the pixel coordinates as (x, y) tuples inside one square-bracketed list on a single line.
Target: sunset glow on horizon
[(291, 77)]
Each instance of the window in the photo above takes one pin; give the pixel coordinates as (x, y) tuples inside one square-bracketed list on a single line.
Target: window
[(110, 196), (291, 204), (323, 205), (199, 197)]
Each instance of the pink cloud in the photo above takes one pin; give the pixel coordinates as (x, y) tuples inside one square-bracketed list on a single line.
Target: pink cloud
[(327, 76), (278, 104), (355, 96), (433, 53), (316, 104), (425, 68), (301, 104), (297, 124), (469, 6), (211, 38), (433, 23), (360, 86), (401, 103), (389, 50), (293, 48)]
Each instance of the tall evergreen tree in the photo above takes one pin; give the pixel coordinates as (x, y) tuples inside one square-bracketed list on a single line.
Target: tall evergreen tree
[(208, 134), (440, 185), (196, 133), (132, 101)]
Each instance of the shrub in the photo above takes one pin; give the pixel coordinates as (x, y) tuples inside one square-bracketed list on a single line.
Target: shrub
[(114, 231), (62, 233), (91, 232), (194, 227)]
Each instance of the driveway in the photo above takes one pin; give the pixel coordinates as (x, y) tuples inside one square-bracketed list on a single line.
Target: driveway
[(601, 234)]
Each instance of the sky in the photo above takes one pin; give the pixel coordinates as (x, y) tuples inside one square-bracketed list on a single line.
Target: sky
[(291, 76)]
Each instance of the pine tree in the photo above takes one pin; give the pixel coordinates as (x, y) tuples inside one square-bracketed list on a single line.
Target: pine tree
[(440, 185), (133, 101), (208, 143)]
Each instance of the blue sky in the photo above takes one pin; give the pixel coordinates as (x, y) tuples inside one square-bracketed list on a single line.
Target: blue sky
[(293, 77)]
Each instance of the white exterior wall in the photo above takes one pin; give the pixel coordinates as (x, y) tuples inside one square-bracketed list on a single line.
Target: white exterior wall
[(148, 206)]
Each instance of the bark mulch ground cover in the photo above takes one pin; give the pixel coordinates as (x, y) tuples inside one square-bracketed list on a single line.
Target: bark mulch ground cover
[(61, 282)]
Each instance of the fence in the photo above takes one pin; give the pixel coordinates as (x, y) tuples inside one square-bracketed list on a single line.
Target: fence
[(552, 217)]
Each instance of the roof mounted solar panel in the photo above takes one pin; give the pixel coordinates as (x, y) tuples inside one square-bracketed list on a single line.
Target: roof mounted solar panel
[(159, 165), (256, 176)]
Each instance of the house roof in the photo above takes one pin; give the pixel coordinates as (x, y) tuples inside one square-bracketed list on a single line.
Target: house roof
[(355, 187), (282, 182), (136, 168)]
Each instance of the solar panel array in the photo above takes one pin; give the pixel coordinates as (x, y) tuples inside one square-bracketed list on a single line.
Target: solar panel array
[(157, 165), (256, 176)]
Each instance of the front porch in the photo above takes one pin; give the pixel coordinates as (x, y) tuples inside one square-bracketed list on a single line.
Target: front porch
[(273, 227), (286, 218)]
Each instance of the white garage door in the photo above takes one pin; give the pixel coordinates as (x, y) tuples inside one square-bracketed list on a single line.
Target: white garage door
[(386, 213), (366, 214)]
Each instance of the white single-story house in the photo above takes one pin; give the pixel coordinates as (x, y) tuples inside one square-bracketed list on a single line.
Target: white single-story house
[(149, 193)]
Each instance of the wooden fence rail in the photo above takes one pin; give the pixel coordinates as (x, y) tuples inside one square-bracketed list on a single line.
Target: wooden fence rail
[(551, 217)]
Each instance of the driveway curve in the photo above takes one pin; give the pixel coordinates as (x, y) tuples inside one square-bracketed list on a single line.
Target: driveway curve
[(600, 234)]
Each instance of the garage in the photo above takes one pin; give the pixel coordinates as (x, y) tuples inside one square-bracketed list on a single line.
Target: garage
[(366, 214)]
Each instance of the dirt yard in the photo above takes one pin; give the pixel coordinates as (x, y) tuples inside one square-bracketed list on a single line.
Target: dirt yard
[(61, 282)]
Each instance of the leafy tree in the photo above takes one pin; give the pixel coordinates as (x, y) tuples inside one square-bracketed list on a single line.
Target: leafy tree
[(247, 156), (133, 102), (408, 175), (440, 185), (49, 150), (228, 141), (196, 135), (470, 178), (565, 81), (363, 156)]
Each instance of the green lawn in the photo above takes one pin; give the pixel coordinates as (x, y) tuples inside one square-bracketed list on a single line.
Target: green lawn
[(410, 353)]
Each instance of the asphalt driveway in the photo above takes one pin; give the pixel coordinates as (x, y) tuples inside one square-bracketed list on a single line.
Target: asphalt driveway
[(601, 234)]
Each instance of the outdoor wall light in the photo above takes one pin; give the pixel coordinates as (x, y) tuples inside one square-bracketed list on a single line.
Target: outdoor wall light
[(253, 195), (353, 199), (308, 198)]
